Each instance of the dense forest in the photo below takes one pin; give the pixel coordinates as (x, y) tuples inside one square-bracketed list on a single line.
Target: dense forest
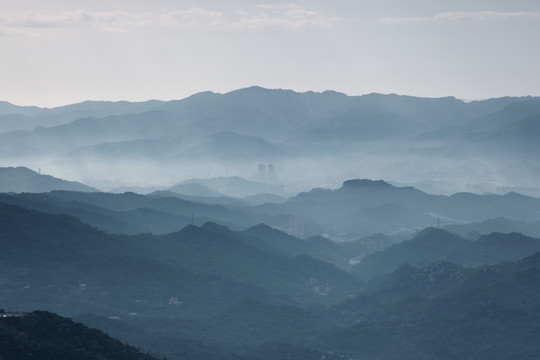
[(44, 335)]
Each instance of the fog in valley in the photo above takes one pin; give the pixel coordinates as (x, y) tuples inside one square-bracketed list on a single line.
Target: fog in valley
[(441, 146)]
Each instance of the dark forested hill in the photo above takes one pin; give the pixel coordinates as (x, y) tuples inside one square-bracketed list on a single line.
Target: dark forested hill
[(205, 267), (216, 250), (444, 311), (433, 244), (191, 283), (44, 335), (57, 263)]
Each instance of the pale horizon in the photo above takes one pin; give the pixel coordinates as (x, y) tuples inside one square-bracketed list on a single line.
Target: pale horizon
[(64, 52)]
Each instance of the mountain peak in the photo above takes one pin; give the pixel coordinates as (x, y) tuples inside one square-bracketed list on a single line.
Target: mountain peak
[(366, 183), (434, 232), (262, 227), (212, 226)]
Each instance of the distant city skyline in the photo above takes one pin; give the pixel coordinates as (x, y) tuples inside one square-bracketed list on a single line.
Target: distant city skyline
[(62, 52)]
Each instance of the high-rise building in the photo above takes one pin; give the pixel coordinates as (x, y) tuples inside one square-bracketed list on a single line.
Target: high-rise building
[(271, 172), (262, 172)]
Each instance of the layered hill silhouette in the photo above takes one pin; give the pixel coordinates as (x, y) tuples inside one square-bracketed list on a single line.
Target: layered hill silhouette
[(318, 135), (188, 280), (219, 293), (361, 207), (205, 267), (21, 179), (432, 245), (445, 311), (502, 225), (127, 213), (44, 335)]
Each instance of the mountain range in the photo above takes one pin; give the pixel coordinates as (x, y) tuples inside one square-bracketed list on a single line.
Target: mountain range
[(215, 293), (203, 266), (363, 206), (360, 207), (432, 245), (21, 179), (444, 311), (318, 137)]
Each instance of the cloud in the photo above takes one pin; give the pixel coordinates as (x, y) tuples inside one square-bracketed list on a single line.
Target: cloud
[(42, 24), (76, 18), (460, 16), (192, 18), (263, 16), (284, 16)]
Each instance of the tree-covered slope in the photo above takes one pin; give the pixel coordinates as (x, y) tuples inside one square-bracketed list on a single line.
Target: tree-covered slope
[(432, 244), (444, 311), (44, 335)]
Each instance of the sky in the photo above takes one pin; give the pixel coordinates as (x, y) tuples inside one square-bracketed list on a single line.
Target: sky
[(60, 52)]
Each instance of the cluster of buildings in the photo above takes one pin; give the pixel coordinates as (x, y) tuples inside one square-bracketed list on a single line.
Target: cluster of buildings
[(266, 172)]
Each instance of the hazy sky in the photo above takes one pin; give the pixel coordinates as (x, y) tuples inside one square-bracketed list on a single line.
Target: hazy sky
[(58, 52)]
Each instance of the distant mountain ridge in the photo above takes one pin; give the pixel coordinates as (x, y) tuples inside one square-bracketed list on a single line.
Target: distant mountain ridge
[(364, 206), (21, 179), (361, 207), (238, 187), (309, 133), (431, 245), (46, 117)]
